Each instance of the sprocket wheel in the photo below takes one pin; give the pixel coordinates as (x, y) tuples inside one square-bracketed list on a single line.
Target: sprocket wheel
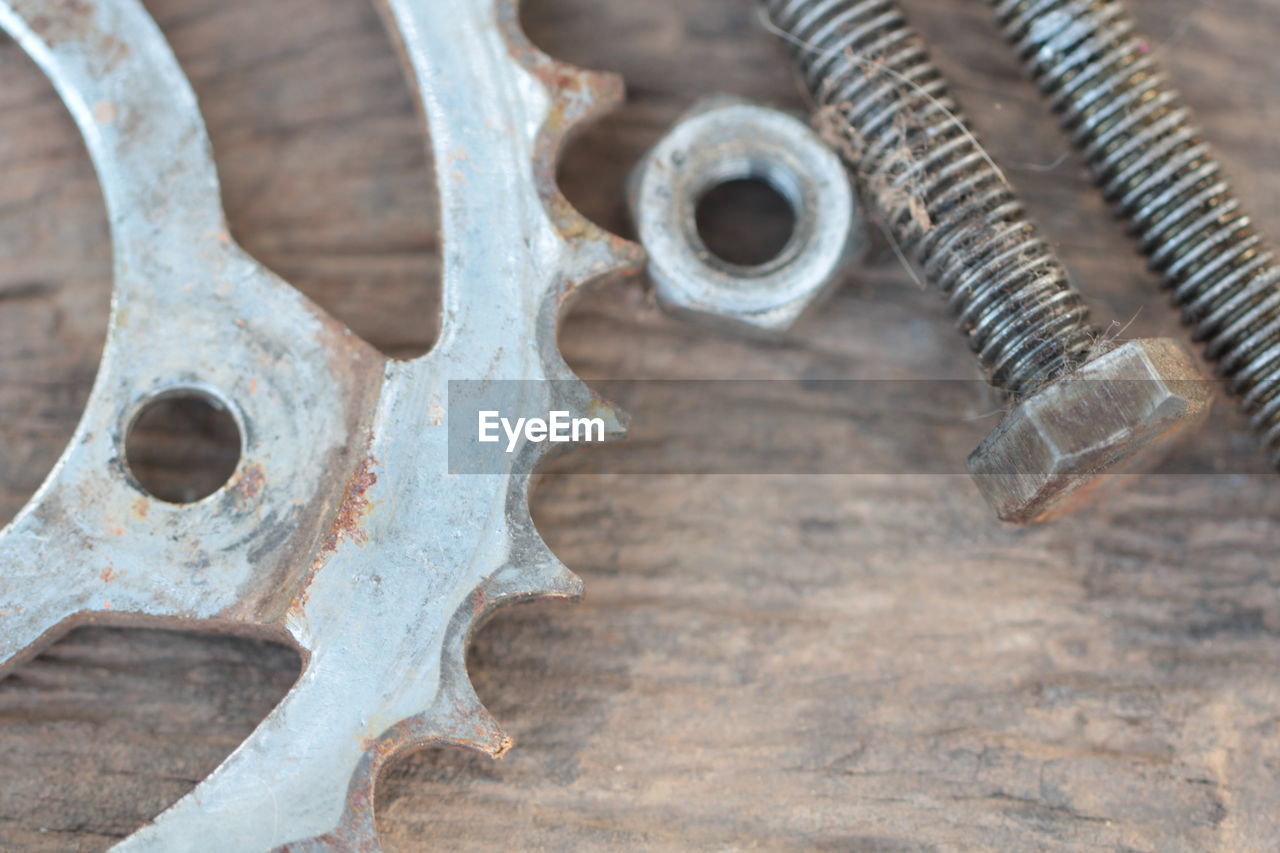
[(342, 530)]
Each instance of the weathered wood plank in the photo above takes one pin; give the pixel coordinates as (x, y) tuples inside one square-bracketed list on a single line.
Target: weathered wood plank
[(781, 662)]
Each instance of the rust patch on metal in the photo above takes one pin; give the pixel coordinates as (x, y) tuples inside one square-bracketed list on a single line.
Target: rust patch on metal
[(104, 112), (346, 523), (61, 22), (107, 575), (354, 507), (57, 22), (252, 481)]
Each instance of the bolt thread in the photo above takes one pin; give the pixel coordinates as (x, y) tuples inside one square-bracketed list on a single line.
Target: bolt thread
[(886, 108), (1143, 148)]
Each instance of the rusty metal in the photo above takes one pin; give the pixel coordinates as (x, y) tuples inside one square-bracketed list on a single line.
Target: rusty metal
[(886, 108), (341, 531), (722, 139), (1145, 151)]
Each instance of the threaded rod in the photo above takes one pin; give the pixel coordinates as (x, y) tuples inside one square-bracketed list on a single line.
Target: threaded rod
[(887, 109), (1144, 150)]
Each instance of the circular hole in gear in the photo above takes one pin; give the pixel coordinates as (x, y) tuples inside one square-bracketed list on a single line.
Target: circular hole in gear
[(182, 446), (745, 221)]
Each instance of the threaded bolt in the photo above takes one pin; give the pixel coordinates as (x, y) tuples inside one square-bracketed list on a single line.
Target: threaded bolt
[(886, 108), (1143, 148)]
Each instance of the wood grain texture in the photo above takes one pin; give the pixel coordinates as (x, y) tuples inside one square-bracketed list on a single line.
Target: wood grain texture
[(771, 662)]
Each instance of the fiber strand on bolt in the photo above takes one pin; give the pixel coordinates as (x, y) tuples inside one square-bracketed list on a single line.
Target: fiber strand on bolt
[(887, 110)]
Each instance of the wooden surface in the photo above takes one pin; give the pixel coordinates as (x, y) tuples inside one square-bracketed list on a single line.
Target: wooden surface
[(770, 662)]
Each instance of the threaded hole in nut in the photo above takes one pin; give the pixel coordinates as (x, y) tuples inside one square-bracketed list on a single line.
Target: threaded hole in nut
[(182, 446), (745, 221)]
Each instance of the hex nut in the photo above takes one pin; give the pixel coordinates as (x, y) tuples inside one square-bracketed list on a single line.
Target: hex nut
[(724, 139), (1116, 414)]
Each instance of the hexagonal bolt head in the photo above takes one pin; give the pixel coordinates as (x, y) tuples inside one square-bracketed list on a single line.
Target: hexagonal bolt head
[(1116, 414), (723, 139)]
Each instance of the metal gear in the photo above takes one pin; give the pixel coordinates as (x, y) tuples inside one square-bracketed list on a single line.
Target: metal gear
[(341, 531)]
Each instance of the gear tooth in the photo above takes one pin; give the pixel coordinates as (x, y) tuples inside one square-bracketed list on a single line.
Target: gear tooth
[(591, 89), (596, 253), (615, 420), (608, 87), (461, 719), (556, 580), (583, 402), (581, 93), (533, 573), (566, 584)]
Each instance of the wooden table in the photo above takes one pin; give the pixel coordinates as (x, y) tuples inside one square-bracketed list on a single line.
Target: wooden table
[(779, 662)]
